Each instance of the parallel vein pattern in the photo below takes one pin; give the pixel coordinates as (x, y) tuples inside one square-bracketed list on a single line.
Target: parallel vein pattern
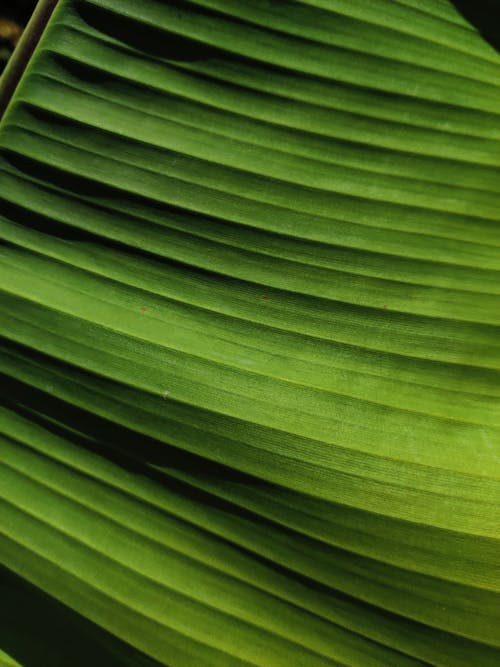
[(250, 348)]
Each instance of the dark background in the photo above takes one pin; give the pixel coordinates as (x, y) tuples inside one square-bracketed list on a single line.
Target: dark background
[(18, 10), (14, 14)]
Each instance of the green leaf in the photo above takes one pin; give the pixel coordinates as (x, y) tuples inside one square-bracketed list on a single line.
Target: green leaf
[(250, 346)]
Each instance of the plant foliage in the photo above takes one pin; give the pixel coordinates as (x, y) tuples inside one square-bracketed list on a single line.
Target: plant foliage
[(250, 347)]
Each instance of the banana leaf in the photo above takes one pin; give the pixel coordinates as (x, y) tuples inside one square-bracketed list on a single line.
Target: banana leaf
[(250, 350)]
